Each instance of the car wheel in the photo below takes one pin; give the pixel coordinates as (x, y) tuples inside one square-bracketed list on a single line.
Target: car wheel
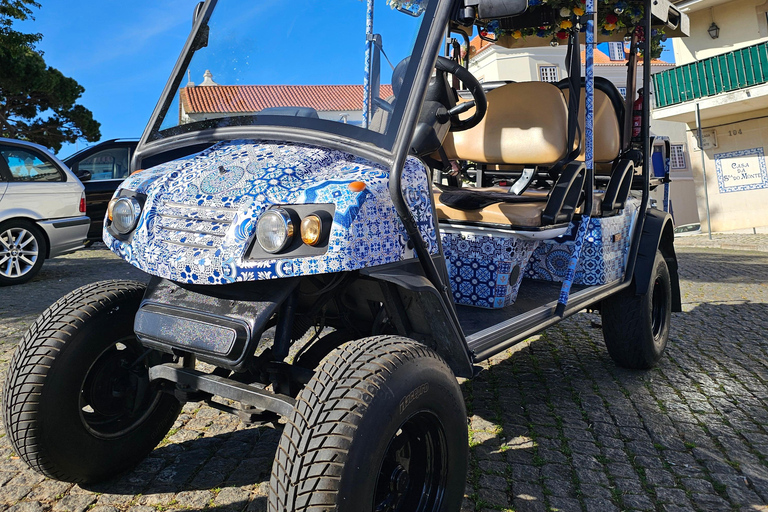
[(381, 427), (78, 405), (22, 251), (636, 327)]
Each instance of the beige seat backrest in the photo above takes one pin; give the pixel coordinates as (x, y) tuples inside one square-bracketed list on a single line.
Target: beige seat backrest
[(526, 123), (607, 135)]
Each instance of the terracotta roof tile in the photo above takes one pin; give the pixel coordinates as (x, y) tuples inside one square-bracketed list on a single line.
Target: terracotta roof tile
[(253, 98)]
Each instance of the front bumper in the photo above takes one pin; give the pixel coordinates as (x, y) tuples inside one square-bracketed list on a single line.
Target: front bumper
[(219, 324), (65, 235)]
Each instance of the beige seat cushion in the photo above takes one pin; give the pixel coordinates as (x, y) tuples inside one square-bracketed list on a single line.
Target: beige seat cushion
[(526, 123), (607, 131), (525, 215)]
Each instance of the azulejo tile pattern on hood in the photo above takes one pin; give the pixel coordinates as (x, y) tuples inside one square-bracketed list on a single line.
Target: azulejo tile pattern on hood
[(201, 212)]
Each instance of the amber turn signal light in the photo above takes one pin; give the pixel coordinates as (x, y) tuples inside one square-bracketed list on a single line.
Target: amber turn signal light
[(356, 186), (110, 206), (311, 229)]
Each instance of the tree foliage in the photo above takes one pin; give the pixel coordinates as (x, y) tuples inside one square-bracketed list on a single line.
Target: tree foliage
[(37, 102)]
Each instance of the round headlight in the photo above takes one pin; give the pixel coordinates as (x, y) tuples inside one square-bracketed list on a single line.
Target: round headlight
[(125, 212), (311, 229), (274, 230)]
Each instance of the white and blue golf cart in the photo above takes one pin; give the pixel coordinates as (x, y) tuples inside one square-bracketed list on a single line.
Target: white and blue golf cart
[(337, 255)]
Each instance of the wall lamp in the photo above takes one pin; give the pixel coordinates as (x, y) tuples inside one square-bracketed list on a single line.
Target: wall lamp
[(713, 30)]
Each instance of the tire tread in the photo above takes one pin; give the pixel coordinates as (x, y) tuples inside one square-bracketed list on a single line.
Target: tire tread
[(34, 358), (307, 471)]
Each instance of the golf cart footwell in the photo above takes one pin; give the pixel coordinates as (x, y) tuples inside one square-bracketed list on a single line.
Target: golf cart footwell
[(533, 294)]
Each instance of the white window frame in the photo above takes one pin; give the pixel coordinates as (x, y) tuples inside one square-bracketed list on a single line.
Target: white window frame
[(616, 51), (546, 72), (677, 159)]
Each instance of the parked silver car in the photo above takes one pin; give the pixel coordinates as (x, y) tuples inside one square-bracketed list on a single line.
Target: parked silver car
[(42, 210)]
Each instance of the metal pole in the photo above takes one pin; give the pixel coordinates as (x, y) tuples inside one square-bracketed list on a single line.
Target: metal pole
[(368, 57), (703, 168)]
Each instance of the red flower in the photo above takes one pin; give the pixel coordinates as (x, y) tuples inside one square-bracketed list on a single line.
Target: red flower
[(611, 18), (562, 34)]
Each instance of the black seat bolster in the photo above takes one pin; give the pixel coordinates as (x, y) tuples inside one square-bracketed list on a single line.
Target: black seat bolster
[(465, 198), (565, 196), (618, 187)]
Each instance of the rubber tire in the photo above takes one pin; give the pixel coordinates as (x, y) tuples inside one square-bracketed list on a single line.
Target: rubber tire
[(42, 393), (343, 420), (42, 250), (628, 321)]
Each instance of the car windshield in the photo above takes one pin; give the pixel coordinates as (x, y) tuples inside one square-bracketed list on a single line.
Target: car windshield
[(299, 63)]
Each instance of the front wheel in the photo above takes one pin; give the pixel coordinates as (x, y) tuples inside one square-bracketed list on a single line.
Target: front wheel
[(381, 427), (636, 327), (78, 403), (22, 251)]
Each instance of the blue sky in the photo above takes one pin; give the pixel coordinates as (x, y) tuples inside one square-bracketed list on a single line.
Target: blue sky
[(122, 52)]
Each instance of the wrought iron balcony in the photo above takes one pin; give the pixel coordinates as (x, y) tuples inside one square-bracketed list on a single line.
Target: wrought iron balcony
[(723, 73)]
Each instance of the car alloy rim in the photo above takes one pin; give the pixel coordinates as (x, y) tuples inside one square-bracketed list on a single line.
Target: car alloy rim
[(18, 252)]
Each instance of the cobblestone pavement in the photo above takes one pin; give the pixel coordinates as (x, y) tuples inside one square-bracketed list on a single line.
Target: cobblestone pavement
[(554, 425)]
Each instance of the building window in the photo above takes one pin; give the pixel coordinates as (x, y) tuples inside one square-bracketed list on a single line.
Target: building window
[(677, 158), (623, 91), (616, 51), (548, 73)]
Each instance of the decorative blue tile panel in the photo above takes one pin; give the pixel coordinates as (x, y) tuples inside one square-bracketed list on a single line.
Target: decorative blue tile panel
[(603, 255), (480, 266), (201, 212), (741, 170)]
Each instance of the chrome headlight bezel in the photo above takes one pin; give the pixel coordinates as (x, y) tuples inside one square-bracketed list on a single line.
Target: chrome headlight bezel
[(132, 216), (270, 221)]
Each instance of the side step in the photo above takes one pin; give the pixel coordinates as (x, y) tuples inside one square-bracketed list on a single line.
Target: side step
[(255, 395)]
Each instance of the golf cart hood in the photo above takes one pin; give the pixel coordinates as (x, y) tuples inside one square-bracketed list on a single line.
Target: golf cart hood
[(200, 213)]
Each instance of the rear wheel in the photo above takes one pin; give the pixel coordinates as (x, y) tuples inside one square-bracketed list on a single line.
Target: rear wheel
[(381, 427), (78, 403), (636, 327), (22, 251)]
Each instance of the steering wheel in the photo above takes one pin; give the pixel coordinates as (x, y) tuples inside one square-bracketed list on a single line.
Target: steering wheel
[(475, 88)]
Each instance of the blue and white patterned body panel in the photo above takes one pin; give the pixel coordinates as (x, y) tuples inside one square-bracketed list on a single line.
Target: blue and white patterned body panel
[(481, 266), (603, 253), (201, 212)]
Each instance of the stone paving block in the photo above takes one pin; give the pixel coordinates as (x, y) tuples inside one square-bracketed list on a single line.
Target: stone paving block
[(74, 503), (231, 499), (595, 491), (194, 499), (599, 505), (557, 504), (493, 497), (637, 502)]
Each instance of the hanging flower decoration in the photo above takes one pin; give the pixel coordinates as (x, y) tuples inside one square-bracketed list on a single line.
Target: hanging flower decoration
[(613, 17)]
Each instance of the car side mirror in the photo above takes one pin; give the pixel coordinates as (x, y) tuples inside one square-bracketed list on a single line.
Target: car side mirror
[(83, 175)]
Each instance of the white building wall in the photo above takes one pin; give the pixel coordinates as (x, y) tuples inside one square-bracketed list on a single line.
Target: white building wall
[(742, 23)]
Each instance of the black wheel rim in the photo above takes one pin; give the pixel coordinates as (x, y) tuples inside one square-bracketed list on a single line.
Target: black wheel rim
[(116, 395), (414, 472), (659, 309)]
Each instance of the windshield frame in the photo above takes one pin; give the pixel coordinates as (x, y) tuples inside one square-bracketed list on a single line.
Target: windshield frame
[(366, 143)]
